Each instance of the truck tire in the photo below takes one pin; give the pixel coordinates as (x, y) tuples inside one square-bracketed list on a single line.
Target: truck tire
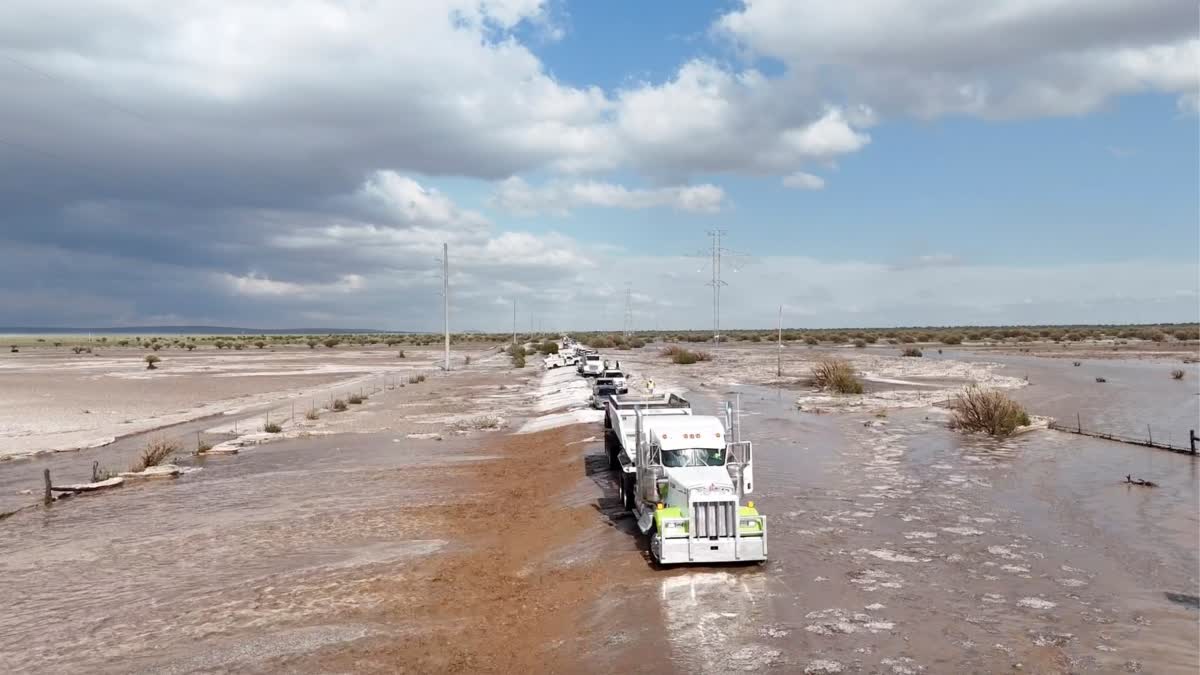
[(610, 449), (628, 490)]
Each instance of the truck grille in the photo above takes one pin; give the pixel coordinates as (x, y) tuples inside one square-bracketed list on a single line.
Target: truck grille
[(713, 519)]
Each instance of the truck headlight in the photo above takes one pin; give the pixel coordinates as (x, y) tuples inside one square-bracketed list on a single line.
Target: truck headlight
[(748, 523)]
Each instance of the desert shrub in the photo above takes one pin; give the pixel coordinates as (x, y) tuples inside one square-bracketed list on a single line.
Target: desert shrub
[(548, 347), (1185, 335), (811, 341), (517, 354), (354, 399), (77, 350), (670, 350), (191, 346), (331, 342), (339, 405), (467, 361), (1177, 374), (986, 410), (836, 375), (952, 339), (311, 414), (636, 343), (152, 359), (687, 357), (860, 343), (272, 428), (202, 446), (260, 344), (684, 357), (912, 351), (400, 354), (156, 346), (239, 346), (155, 453), (907, 339), (312, 344)]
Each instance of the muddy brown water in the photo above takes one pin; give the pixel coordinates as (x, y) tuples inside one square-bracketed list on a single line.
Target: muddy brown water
[(161, 572), (897, 546)]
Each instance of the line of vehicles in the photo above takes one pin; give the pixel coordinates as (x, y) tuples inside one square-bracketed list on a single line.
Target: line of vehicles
[(684, 477)]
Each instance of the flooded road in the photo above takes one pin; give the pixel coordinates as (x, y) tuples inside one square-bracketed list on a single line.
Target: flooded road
[(900, 546), (896, 546)]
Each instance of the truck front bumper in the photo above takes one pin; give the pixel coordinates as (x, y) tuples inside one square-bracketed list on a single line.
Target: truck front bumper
[(683, 550)]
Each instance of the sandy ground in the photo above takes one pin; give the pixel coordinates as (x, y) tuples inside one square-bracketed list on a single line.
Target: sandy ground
[(52, 400)]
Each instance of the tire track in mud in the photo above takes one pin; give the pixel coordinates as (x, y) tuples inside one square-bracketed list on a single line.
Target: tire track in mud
[(500, 602)]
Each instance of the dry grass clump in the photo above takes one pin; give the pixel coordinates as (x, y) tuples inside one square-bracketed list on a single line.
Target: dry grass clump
[(155, 453), (311, 414), (272, 428), (670, 350), (836, 375), (152, 359), (1177, 374), (339, 405), (986, 410), (355, 399), (912, 352)]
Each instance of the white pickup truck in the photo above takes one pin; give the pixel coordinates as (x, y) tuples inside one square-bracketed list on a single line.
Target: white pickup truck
[(684, 478), (564, 357)]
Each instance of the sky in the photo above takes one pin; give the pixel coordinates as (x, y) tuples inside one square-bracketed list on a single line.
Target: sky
[(876, 163)]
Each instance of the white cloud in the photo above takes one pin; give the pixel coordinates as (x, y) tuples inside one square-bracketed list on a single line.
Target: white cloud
[(559, 197), (256, 285), (1011, 59), (804, 181), (403, 201), (710, 119)]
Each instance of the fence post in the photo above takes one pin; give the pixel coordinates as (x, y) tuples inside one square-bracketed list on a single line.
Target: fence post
[(47, 497), (1149, 434), (95, 471), (1192, 439), (1078, 423)]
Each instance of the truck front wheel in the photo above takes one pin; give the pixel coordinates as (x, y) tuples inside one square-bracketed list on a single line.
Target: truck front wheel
[(628, 486)]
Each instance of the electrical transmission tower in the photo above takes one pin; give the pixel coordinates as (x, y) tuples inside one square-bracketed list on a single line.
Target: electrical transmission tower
[(719, 256)]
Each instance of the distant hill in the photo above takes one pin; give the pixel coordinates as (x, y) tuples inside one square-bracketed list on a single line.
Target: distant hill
[(184, 330)]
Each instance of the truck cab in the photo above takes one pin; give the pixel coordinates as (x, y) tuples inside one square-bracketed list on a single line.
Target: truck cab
[(590, 364)]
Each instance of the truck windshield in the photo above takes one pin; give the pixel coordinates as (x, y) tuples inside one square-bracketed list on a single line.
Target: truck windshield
[(694, 457)]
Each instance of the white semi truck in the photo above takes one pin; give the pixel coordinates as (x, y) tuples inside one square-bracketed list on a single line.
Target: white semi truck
[(590, 364), (685, 478)]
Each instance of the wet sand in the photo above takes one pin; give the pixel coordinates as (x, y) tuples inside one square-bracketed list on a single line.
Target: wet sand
[(53, 400), (897, 546)]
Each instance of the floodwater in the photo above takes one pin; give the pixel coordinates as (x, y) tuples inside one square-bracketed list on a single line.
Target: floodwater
[(899, 546), (1139, 398), (234, 562), (896, 546)]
